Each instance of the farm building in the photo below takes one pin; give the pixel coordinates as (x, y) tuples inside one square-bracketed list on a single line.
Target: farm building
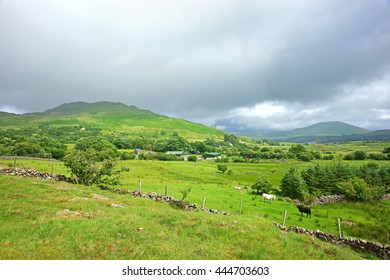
[(211, 155)]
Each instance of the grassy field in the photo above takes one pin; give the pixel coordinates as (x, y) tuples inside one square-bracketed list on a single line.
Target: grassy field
[(364, 220), (35, 225)]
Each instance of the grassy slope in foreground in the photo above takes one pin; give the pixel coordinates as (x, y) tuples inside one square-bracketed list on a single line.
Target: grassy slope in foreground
[(142, 229), (111, 117)]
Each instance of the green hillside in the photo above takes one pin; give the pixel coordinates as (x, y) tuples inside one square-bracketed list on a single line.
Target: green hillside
[(110, 117)]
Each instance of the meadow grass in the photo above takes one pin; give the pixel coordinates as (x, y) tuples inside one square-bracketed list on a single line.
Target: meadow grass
[(142, 229), (368, 220)]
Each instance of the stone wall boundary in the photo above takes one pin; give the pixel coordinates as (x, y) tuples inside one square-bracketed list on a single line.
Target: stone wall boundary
[(28, 158), (30, 173), (377, 249)]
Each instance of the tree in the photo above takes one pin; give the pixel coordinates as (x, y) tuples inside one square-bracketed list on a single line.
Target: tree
[(360, 155), (297, 149), (356, 189), (104, 149), (262, 185), (293, 185), (386, 150), (85, 167), (28, 149)]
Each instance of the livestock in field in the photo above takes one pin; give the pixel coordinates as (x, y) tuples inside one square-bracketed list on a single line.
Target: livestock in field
[(237, 188), (269, 197), (304, 209)]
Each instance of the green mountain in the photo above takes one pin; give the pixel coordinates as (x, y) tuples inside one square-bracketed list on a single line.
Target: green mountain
[(110, 117), (328, 128), (312, 133)]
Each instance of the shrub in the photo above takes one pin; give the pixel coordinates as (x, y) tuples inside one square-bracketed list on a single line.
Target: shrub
[(185, 193), (356, 189), (262, 185), (192, 158), (85, 167), (222, 168), (222, 159)]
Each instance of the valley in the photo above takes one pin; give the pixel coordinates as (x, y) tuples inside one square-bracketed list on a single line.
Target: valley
[(97, 143)]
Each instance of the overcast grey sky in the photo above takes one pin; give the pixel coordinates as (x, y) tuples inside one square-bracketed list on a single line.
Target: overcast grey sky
[(235, 64)]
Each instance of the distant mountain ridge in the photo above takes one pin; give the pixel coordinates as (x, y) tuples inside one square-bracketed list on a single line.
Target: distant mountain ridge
[(85, 107), (110, 117), (323, 132)]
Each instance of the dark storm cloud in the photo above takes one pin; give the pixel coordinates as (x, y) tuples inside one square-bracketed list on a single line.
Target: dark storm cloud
[(250, 63)]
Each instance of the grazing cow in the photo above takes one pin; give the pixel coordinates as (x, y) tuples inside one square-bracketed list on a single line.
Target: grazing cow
[(304, 209), (268, 197)]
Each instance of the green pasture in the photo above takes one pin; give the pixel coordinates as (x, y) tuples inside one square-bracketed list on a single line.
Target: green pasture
[(364, 220), (33, 226)]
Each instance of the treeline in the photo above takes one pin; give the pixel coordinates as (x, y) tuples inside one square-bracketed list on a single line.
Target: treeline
[(52, 142), (367, 182)]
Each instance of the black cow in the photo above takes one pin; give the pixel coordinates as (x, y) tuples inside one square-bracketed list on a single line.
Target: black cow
[(304, 209)]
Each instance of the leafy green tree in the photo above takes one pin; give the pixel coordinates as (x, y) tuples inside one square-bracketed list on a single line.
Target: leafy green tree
[(360, 155), (232, 139), (177, 144), (103, 148), (305, 156), (84, 165), (297, 149), (262, 185), (28, 149), (386, 150), (293, 185), (356, 189), (199, 147)]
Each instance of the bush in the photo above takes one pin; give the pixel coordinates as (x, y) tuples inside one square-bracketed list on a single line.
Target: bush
[(222, 168), (192, 158), (357, 155), (356, 189), (85, 167), (262, 185), (378, 156), (126, 156), (222, 159)]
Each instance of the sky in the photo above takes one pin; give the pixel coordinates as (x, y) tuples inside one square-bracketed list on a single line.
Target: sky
[(238, 65)]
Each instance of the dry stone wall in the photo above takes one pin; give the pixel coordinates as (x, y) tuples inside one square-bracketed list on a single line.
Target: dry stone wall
[(164, 198), (326, 199), (380, 250), (30, 173)]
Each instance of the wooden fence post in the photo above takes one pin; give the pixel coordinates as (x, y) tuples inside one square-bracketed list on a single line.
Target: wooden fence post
[(240, 207), (14, 162), (203, 202), (284, 217), (339, 225), (52, 168), (166, 190), (139, 184)]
